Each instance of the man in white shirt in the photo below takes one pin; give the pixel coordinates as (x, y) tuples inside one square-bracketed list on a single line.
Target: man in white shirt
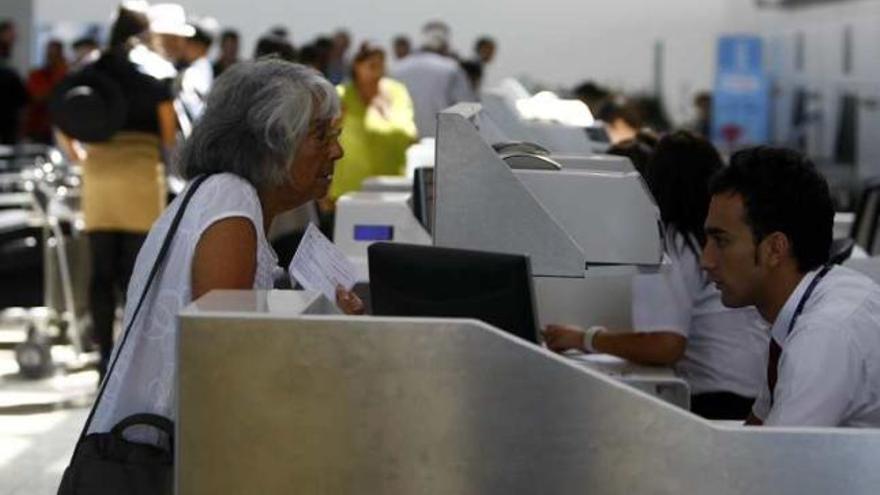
[(677, 315), (197, 78), (768, 240), (435, 80)]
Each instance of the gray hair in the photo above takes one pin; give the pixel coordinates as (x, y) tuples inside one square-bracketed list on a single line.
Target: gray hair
[(256, 116)]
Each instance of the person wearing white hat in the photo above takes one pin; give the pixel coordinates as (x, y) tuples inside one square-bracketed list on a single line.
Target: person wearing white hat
[(168, 24), (198, 77)]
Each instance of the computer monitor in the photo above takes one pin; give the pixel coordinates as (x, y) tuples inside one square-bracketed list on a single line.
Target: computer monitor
[(410, 280)]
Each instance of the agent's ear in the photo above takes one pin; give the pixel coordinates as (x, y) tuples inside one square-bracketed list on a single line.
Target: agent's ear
[(774, 249)]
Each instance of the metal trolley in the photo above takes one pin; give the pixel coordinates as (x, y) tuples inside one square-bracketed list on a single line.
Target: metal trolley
[(44, 264)]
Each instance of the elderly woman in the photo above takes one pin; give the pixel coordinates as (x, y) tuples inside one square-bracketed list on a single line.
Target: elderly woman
[(269, 139)]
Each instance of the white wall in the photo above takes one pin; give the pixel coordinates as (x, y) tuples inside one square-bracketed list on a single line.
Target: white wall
[(822, 29), (557, 42)]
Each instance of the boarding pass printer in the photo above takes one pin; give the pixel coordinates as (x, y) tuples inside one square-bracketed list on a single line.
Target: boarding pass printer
[(586, 222)]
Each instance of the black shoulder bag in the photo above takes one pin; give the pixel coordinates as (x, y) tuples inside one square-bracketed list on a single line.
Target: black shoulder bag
[(107, 463)]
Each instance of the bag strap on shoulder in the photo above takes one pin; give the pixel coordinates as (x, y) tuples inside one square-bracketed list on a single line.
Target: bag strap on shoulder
[(157, 266)]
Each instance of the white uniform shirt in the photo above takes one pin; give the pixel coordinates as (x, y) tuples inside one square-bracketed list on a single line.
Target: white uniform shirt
[(144, 377), (195, 85), (726, 347), (829, 371), (435, 83)]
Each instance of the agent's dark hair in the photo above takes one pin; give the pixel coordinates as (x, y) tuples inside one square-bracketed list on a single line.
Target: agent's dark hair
[(639, 150), (782, 192), (678, 176)]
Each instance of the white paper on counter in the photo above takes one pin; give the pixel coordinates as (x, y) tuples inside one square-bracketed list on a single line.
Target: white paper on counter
[(319, 265)]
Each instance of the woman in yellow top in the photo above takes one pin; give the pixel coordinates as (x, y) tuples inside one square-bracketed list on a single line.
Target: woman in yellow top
[(377, 126)]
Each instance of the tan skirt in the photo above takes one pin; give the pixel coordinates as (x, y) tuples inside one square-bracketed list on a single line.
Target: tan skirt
[(123, 183)]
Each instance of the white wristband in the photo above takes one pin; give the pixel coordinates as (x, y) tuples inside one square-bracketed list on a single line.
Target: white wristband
[(589, 334)]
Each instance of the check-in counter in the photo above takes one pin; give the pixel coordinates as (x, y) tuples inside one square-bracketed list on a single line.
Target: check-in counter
[(276, 396)]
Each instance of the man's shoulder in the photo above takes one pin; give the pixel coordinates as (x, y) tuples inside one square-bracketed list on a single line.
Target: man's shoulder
[(845, 290), (846, 302)]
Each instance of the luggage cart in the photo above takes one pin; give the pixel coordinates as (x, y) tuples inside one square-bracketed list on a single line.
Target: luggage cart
[(47, 229)]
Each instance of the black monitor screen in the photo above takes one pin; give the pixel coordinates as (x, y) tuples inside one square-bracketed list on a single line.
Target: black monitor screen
[(407, 280)]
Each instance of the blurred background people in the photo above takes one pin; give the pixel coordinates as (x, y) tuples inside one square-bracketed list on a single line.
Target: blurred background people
[(652, 114), (434, 80), (280, 31), (593, 95), (274, 45), (622, 120), (40, 83), (123, 190), (484, 50), (377, 125), (401, 46), (85, 51), (197, 77), (702, 123), (170, 31), (339, 67), (229, 51), (13, 94), (474, 72), (8, 35), (319, 54)]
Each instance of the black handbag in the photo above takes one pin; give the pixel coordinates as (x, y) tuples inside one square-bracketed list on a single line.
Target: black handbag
[(107, 463), (89, 105)]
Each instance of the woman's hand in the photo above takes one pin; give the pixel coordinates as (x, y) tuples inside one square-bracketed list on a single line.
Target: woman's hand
[(563, 337), (348, 301)]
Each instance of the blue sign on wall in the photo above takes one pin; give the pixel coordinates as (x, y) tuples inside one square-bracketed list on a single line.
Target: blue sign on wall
[(741, 101)]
